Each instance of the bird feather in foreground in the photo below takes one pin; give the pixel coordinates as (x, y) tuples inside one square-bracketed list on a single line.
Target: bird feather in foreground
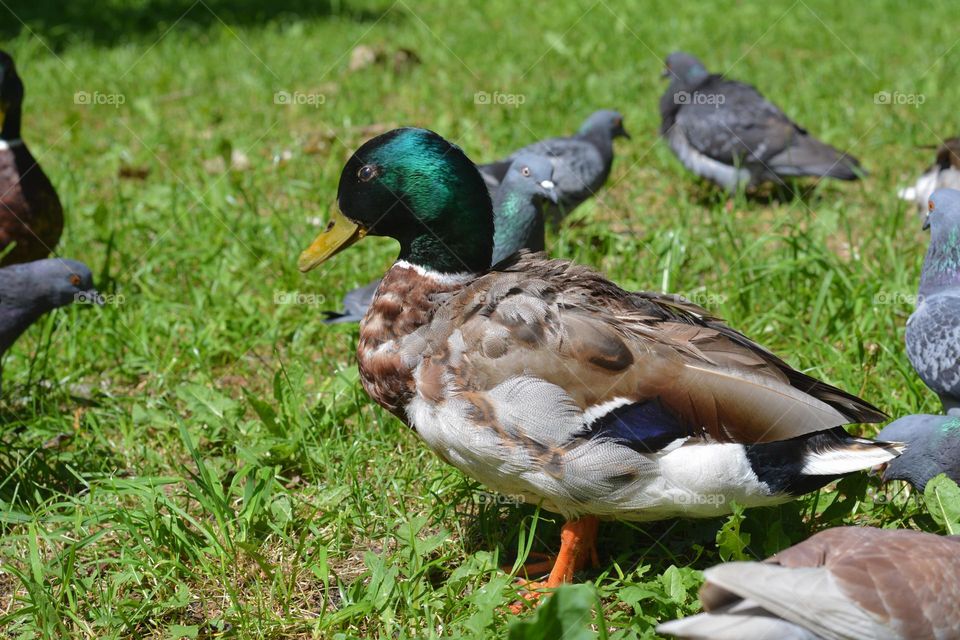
[(843, 583), (542, 379)]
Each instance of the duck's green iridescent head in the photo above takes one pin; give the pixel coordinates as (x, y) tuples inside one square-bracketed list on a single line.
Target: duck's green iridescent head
[(414, 186)]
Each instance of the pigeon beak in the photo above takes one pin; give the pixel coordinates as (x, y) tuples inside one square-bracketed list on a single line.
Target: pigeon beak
[(665, 73), (550, 190), (926, 223), (339, 234), (623, 132)]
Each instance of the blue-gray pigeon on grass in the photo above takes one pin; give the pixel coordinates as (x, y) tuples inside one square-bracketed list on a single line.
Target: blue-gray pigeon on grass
[(581, 162), (845, 582), (31, 289), (727, 132), (933, 447), (518, 217), (933, 331)]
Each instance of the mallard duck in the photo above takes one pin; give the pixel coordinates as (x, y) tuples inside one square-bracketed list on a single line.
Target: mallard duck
[(944, 172), (518, 222), (30, 211), (933, 330), (543, 380), (581, 162), (28, 291), (846, 582), (727, 132)]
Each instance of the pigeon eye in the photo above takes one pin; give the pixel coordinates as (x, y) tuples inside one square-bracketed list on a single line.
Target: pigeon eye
[(367, 173), (74, 279), (525, 172), (929, 205)]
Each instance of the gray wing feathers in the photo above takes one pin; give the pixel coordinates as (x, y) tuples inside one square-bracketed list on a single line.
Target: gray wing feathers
[(933, 345)]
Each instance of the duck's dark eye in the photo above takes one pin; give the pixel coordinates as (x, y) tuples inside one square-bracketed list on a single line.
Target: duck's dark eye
[(75, 280), (367, 173), (525, 172)]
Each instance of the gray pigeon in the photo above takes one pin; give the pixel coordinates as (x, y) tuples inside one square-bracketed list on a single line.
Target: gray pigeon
[(727, 132), (945, 172), (518, 217), (31, 289), (581, 162), (933, 447), (933, 331), (843, 583)]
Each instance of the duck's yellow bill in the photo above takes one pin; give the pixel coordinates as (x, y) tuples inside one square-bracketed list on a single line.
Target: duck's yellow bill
[(339, 234)]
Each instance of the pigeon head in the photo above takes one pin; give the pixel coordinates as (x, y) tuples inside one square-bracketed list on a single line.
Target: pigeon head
[(943, 212), (43, 285), (531, 176), (414, 186), (606, 121), (11, 96), (941, 267), (684, 69), (933, 447)]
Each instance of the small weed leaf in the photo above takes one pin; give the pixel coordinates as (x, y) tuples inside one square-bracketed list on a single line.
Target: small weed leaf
[(567, 614), (943, 500), (731, 541)]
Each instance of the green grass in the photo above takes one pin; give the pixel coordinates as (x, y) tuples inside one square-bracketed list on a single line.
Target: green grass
[(197, 459)]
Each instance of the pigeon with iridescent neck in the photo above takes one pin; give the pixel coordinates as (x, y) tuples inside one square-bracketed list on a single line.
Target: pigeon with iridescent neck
[(933, 331), (581, 162), (933, 447), (518, 218), (31, 218)]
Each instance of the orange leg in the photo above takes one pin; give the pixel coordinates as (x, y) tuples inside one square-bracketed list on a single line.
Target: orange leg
[(537, 564), (578, 549)]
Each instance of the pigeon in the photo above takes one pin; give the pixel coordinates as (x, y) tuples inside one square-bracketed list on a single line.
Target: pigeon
[(933, 447), (727, 132), (933, 331), (945, 172), (581, 162), (518, 205), (846, 582), (31, 289), (31, 217)]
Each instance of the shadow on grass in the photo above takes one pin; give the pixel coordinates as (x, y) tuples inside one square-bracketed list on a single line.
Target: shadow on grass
[(660, 544), (805, 191), (110, 22), (35, 469)]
